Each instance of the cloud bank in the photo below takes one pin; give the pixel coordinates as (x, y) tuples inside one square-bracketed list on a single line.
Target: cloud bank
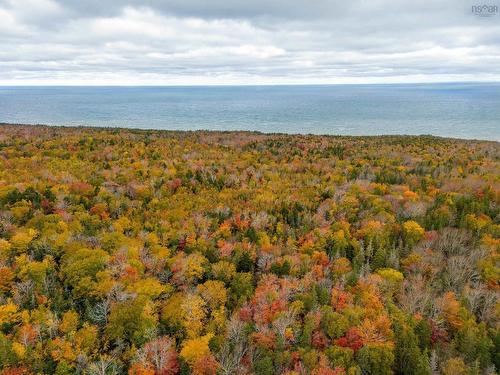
[(245, 42)]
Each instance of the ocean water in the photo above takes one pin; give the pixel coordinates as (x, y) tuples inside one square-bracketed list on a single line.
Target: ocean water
[(460, 110)]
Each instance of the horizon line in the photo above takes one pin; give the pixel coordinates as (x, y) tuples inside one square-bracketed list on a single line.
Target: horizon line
[(253, 84)]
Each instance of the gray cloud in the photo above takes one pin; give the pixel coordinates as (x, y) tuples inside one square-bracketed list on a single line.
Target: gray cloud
[(294, 41)]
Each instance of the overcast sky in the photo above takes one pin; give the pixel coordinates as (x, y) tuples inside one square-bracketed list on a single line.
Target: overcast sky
[(246, 41)]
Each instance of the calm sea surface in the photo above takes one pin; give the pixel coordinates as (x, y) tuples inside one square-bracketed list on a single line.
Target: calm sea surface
[(462, 110)]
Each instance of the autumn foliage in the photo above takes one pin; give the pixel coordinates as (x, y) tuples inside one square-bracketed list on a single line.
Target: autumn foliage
[(205, 253)]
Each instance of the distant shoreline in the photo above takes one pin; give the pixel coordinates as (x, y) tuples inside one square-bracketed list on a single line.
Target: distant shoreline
[(232, 132)]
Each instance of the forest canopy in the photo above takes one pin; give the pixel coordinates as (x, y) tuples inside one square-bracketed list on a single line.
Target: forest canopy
[(156, 252)]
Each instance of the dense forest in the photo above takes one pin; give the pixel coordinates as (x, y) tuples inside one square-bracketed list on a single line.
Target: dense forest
[(154, 252)]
